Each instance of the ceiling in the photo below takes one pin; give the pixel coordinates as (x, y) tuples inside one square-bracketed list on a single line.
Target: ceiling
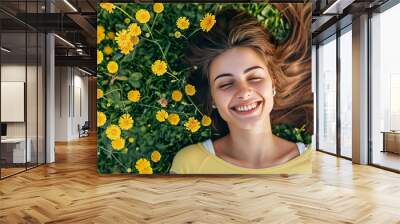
[(329, 16), (75, 21), (76, 25)]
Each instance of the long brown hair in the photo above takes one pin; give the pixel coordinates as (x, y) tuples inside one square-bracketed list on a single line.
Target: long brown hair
[(289, 63)]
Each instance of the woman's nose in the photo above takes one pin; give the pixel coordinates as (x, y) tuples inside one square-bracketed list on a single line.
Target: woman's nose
[(244, 92)]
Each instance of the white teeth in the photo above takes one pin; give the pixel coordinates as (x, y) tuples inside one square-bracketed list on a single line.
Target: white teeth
[(246, 108)]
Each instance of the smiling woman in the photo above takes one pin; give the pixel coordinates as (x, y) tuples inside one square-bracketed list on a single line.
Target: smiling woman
[(243, 73)]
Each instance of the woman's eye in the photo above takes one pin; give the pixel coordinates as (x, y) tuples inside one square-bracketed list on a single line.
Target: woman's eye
[(255, 79), (225, 85)]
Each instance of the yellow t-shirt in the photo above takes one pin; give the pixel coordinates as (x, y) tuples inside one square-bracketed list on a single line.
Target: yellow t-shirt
[(195, 159)]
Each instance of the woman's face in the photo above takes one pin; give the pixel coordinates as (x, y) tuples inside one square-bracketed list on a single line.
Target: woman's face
[(241, 88)]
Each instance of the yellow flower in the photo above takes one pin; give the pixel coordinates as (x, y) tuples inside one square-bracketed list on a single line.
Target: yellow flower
[(112, 67), (134, 95), (177, 95), (143, 166), (99, 57), (142, 16), (100, 93), (131, 139), (207, 22), (125, 121), (182, 23), (113, 132), (206, 121), (173, 119), (124, 42), (155, 156), (190, 90), (108, 50), (134, 40), (110, 35), (129, 170), (126, 49), (158, 7), (108, 7), (100, 33), (161, 115), (177, 34), (118, 144), (192, 124), (159, 67), (134, 29), (101, 119), (148, 170)]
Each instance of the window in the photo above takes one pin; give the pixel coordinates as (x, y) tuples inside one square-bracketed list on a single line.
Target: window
[(346, 92), (327, 95), (22, 75), (385, 89)]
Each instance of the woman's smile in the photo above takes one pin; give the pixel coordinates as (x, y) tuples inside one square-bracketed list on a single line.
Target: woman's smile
[(248, 108)]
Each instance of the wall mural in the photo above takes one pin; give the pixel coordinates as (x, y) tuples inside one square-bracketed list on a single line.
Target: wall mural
[(190, 88)]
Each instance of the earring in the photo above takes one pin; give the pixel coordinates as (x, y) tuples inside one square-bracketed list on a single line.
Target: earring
[(213, 106), (273, 92)]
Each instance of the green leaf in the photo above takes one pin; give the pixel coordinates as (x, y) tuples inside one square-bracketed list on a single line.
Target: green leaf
[(134, 84), (115, 96), (135, 76), (122, 78)]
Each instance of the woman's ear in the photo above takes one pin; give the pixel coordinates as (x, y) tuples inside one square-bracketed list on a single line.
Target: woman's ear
[(213, 106)]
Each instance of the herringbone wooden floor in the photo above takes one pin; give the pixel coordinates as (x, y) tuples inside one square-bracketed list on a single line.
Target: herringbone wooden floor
[(70, 191)]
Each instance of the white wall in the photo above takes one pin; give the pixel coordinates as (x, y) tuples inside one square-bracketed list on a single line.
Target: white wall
[(70, 83), (61, 103), (34, 125), (80, 110), (13, 72), (9, 73)]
